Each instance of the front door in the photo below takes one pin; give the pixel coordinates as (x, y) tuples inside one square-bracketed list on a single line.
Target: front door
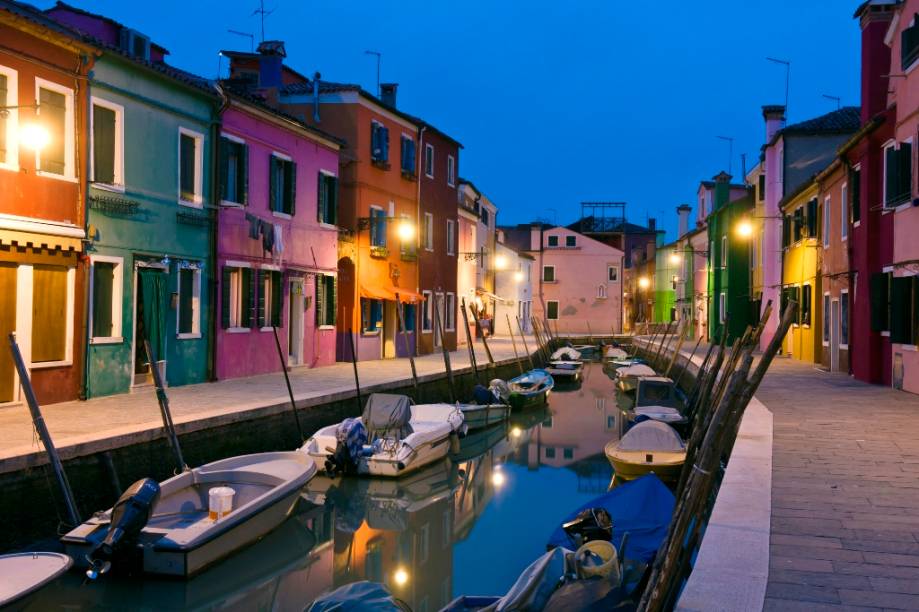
[(149, 323), (7, 325), (295, 317), (390, 327), (834, 336)]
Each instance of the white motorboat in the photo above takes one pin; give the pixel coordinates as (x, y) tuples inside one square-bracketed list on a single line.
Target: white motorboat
[(391, 438), (657, 391), (175, 527), (565, 369), (615, 353), (566, 353), (25, 573), (627, 378)]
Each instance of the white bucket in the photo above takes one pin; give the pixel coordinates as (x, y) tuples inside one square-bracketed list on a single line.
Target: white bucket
[(220, 502), (608, 565)]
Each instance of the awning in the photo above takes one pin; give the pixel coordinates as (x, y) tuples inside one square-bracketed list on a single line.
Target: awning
[(40, 241), (490, 295), (376, 292)]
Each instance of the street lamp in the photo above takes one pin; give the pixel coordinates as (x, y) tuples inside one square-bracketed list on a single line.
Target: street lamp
[(518, 276), (406, 230), (644, 282), (744, 229), (675, 259), (34, 136), (500, 262)]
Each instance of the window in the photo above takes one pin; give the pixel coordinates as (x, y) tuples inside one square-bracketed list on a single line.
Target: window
[(326, 300), (106, 291), (408, 317), (379, 143), (190, 168), (550, 452), (451, 171), (904, 304), (844, 319), (268, 313), (601, 292), (451, 237), (880, 301), (806, 305), (189, 316), (485, 217), (568, 453), (552, 241), (234, 171), (328, 198), (826, 221), (799, 225), (427, 232), (897, 173), (9, 88), (571, 241), (812, 218), (724, 251), (450, 314), (722, 308), (548, 274), (856, 180), (843, 213), (282, 184), (552, 310), (55, 109), (237, 293), (52, 308), (761, 191), (612, 274), (826, 319), (407, 163), (610, 421), (107, 143), (426, 315), (377, 227), (429, 160), (909, 44), (371, 315)]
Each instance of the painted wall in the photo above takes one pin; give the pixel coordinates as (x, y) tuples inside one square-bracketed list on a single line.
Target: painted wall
[(834, 262), (733, 279), (514, 285), (307, 244), (465, 267), (665, 269), (799, 268)]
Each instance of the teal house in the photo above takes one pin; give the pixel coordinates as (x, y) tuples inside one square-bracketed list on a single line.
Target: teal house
[(666, 275), (729, 276), (150, 219)]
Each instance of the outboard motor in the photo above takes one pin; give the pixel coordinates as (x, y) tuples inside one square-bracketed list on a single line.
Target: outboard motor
[(590, 524), (130, 515), (350, 437), (499, 389)]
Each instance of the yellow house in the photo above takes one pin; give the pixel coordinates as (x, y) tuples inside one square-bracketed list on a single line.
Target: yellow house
[(800, 278)]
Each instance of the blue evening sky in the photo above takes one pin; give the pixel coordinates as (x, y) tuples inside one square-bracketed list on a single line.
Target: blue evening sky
[(555, 102)]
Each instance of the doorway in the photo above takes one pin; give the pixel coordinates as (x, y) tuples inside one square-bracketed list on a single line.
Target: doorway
[(8, 386), (149, 322), (295, 317), (834, 336), (390, 327)]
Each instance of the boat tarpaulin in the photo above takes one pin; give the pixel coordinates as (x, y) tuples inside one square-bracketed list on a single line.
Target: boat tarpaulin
[(387, 416), (358, 596), (652, 436), (642, 508)]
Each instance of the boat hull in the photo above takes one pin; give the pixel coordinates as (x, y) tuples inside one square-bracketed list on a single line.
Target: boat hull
[(519, 400), (482, 416), (629, 465), (399, 464)]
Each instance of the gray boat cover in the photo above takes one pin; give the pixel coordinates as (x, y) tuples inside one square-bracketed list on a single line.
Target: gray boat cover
[(359, 596), (536, 584), (387, 416), (566, 352), (651, 436)]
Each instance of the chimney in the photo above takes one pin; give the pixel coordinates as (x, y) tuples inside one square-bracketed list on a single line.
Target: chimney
[(535, 236), (388, 93), (722, 189), (774, 114), (874, 18), (271, 59), (683, 211), (652, 224)]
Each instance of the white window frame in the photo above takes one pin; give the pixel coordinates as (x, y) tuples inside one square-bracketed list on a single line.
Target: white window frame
[(890, 144), (601, 292), (12, 119), (827, 317), (449, 312), (25, 288), (557, 311), (237, 140), (69, 129), (724, 251), (428, 232), (612, 270), (429, 157), (844, 211), (117, 298), (118, 109), (269, 295), (451, 171), (198, 201), (554, 277), (195, 300), (722, 308), (427, 311), (451, 237), (827, 221), (284, 157), (235, 298), (848, 329)]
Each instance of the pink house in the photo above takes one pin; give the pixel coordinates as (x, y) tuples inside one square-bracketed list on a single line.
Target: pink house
[(577, 284), (277, 245)]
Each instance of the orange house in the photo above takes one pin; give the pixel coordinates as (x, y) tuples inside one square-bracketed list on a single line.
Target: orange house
[(43, 91)]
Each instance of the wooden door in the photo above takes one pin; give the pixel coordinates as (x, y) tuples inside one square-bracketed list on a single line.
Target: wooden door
[(7, 325)]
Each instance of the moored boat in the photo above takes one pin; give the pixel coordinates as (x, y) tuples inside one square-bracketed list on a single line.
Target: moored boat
[(569, 371), (627, 378), (565, 353), (530, 389), (657, 391), (614, 352), (173, 528), (26, 573), (650, 446)]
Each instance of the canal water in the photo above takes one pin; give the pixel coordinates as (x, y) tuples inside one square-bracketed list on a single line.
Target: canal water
[(465, 526)]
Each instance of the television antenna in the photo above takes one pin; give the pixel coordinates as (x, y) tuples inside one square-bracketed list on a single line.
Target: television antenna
[(262, 13), (251, 38)]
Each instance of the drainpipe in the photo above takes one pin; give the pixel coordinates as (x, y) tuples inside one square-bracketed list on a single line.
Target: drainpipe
[(420, 161), (212, 231), (84, 375)]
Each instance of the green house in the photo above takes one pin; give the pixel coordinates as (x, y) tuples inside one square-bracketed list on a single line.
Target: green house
[(666, 275), (729, 269)]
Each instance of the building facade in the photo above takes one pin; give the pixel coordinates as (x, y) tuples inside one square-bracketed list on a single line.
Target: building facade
[(666, 274), (833, 259), (801, 282), (474, 203), (513, 286)]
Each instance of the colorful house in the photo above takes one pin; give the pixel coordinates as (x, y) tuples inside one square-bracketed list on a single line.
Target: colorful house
[(729, 261), (902, 195), (277, 247), (474, 203), (468, 217), (151, 228), (801, 215), (835, 305), (666, 275), (43, 68), (513, 286)]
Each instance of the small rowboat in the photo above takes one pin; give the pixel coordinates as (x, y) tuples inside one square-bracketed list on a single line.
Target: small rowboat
[(25, 573), (650, 446), (657, 391), (569, 371), (479, 416), (530, 389)]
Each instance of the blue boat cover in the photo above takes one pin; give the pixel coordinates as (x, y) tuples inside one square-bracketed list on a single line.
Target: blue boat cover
[(642, 508), (358, 597)]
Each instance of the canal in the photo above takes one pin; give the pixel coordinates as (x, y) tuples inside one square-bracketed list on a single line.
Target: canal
[(465, 526)]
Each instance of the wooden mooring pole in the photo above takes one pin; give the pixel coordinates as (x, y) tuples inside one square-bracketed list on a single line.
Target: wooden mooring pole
[(526, 349), (472, 362), (510, 330), (443, 346), (164, 407), (357, 380), (409, 350), (290, 391)]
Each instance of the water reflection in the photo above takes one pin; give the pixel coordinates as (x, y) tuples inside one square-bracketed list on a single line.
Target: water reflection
[(468, 525)]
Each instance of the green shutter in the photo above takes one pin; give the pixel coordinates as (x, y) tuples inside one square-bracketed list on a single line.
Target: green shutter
[(321, 201), (223, 156), (242, 174), (290, 183), (904, 173), (103, 145), (53, 113), (855, 192), (812, 218), (187, 167), (786, 232), (260, 317), (891, 178), (332, 308), (277, 297), (879, 302), (248, 285), (272, 183), (225, 297), (318, 299), (901, 324)]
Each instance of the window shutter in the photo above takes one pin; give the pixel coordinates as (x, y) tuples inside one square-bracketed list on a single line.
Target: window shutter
[(904, 173), (272, 182), (319, 300), (332, 307), (855, 190), (248, 285), (225, 297), (243, 174), (891, 180), (901, 289), (260, 317), (786, 232), (103, 145), (53, 113), (187, 167), (333, 196), (276, 298), (384, 136), (223, 155), (291, 185), (879, 304), (812, 218), (322, 202), (3, 120)]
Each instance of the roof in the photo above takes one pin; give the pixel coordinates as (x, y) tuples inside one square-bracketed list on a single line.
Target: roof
[(37, 17), (843, 121), (104, 18), (804, 186), (615, 226)]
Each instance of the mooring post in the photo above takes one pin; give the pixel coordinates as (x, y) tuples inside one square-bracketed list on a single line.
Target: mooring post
[(38, 421), (164, 407), (290, 391), (481, 332), (526, 349), (469, 344), (357, 381), (513, 342), (443, 345), (410, 350)]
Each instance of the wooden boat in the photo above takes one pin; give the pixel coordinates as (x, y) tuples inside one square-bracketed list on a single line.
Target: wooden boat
[(569, 371), (26, 573), (181, 539), (614, 353), (398, 438), (530, 389), (650, 446)]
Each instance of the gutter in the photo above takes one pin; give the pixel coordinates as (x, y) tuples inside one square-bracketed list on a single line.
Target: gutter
[(212, 237)]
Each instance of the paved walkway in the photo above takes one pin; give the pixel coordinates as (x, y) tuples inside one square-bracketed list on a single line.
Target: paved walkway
[(82, 428)]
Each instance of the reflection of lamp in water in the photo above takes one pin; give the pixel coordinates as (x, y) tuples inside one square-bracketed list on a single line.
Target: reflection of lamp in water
[(497, 479), (516, 432), (401, 576)]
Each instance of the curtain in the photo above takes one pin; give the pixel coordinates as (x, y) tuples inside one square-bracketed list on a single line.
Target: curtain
[(153, 303)]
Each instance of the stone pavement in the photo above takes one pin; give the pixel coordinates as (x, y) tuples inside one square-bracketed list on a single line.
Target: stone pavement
[(85, 427)]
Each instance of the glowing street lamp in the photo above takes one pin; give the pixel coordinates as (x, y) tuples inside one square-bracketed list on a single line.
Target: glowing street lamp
[(500, 262), (644, 282), (406, 230), (400, 576), (34, 136), (744, 229), (675, 258), (518, 276)]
